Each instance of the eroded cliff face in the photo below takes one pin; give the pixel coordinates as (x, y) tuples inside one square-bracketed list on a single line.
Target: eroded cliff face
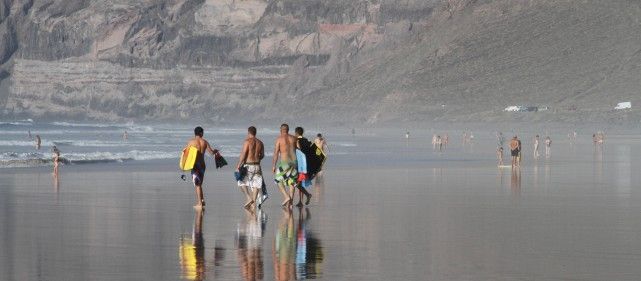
[(154, 60), (345, 61)]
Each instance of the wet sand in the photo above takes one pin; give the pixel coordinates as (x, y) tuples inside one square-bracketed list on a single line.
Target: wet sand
[(379, 214)]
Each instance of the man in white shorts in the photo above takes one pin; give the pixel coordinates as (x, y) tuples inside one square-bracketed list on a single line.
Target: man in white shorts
[(249, 167)]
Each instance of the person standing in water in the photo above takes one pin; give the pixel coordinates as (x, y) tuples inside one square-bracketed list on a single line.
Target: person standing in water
[(446, 140), (548, 142), (434, 142), (251, 154), (56, 160), (125, 136), (536, 147), (38, 142), (499, 155), (519, 157), (286, 173), (198, 172), (514, 151)]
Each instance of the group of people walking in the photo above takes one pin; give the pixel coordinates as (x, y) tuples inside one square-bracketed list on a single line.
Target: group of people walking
[(295, 162)]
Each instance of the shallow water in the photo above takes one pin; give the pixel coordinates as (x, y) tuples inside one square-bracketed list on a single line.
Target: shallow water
[(387, 209)]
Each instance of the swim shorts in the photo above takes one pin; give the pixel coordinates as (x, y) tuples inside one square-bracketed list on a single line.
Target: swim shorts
[(253, 178), (286, 173), (198, 173)]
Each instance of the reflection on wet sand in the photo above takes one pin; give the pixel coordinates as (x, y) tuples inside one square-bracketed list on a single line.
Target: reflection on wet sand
[(283, 248), (297, 252), (515, 183), (192, 251), (56, 182), (309, 251), (319, 186), (249, 244), (597, 164)]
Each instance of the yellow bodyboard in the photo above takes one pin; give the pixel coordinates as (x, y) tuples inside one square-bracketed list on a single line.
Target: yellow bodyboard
[(188, 158)]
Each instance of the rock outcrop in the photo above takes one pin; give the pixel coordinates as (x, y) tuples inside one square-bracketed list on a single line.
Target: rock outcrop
[(344, 61)]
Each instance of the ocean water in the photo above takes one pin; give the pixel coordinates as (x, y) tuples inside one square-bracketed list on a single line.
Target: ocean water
[(91, 143)]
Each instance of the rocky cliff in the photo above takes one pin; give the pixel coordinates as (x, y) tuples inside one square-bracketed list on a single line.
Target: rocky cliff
[(344, 61)]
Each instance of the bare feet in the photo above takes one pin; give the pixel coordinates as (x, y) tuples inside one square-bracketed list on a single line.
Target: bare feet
[(300, 204), (309, 197), (286, 202), (198, 206)]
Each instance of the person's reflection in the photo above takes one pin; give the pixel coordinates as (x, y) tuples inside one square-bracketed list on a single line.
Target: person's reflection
[(319, 186), (515, 183), (309, 252), (192, 251), (56, 187), (56, 182), (249, 243), (283, 248), (598, 163)]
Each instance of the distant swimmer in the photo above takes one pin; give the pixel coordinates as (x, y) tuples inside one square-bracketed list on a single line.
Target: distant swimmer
[(439, 143), (536, 147), (286, 173), (30, 137), (125, 136), (251, 154), (514, 151), (499, 155), (198, 172), (38, 142), (548, 142), (56, 160), (353, 132), (407, 135)]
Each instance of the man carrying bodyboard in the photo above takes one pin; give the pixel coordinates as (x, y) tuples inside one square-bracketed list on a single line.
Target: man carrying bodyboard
[(194, 159)]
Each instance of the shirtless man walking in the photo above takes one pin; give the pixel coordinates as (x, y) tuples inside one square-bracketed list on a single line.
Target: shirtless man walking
[(198, 172), (252, 152), (514, 150), (286, 173)]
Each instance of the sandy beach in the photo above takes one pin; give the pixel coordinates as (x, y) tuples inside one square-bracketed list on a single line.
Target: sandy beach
[(381, 212)]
